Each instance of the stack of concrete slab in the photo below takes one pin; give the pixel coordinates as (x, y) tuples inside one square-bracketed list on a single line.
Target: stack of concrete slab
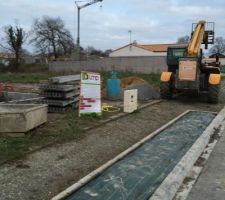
[(61, 93)]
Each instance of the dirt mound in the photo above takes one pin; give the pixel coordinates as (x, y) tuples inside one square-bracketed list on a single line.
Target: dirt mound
[(145, 91), (130, 81)]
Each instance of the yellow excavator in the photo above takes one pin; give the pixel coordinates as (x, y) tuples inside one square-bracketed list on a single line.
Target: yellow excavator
[(187, 69)]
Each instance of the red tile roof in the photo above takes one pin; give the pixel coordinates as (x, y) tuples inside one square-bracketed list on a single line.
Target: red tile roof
[(153, 47)]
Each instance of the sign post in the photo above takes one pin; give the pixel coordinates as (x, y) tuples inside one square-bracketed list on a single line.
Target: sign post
[(90, 94)]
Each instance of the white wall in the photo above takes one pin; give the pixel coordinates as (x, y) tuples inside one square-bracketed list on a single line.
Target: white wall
[(142, 64), (222, 61), (134, 51)]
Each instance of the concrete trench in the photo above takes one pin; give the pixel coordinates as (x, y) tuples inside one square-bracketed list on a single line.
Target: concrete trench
[(140, 172)]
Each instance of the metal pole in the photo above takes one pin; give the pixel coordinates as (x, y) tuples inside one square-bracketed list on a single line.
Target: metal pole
[(78, 23), (78, 34)]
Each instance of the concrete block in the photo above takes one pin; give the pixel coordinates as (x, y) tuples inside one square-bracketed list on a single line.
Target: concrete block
[(20, 118)]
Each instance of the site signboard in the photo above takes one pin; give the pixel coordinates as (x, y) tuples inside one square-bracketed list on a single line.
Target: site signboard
[(90, 94)]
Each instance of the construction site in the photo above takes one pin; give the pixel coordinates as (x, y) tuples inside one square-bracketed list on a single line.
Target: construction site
[(145, 122)]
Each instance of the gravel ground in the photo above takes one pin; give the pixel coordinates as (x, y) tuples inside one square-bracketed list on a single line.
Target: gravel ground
[(43, 174)]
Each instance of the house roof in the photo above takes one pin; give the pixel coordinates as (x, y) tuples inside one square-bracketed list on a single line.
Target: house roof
[(153, 47)]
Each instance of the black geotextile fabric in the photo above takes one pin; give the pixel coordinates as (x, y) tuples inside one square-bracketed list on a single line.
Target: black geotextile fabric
[(138, 175)]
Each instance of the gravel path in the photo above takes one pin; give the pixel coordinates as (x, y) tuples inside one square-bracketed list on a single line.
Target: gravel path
[(43, 174)]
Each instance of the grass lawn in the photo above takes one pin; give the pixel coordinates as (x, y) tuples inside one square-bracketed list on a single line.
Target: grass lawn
[(25, 77)]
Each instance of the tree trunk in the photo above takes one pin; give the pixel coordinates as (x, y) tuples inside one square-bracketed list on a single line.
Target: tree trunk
[(54, 51), (17, 62)]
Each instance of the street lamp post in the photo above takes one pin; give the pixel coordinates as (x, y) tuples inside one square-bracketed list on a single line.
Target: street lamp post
[(78, 33), (78, 22)]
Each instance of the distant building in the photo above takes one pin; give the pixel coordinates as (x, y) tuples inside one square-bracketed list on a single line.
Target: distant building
[(31, 59), (212, 58), (220, 55), (135, 49), (5, 58)]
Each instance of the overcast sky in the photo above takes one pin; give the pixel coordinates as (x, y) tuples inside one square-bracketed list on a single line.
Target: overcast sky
[(105, 25)]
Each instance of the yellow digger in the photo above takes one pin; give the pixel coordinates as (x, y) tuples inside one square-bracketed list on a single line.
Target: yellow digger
[(188, 71)]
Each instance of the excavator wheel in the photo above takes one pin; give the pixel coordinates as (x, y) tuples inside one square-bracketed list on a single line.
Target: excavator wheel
[(213, 93), (165, 90)]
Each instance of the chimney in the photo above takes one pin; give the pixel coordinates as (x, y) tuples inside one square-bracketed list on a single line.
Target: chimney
[(135, 42)]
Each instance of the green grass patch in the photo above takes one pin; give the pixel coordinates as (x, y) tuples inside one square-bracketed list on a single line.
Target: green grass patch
[(63, 129), (25, 77), (152, 79), (59, 129)]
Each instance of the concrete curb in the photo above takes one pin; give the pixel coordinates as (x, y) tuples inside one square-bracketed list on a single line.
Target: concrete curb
[(186, 187), (99, 170), (169, 187)]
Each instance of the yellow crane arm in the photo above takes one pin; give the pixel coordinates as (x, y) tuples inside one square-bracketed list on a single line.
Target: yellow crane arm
[(196, 39)]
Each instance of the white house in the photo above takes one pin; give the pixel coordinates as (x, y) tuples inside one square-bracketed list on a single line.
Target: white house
[(135, 49)]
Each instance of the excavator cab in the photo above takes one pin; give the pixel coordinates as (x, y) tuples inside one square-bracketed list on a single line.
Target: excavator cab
[(174, 53), (186, 69)]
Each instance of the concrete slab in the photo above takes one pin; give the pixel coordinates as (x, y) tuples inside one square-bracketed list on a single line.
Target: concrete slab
[(211, 183), (18, 97)]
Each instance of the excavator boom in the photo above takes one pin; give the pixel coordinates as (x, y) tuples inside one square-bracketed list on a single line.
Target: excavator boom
[(196, 39), (202, 33)]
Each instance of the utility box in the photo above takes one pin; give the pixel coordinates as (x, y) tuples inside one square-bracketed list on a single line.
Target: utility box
[(130, 100)]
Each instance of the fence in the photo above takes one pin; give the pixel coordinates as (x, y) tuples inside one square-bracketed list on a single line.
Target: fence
[(145, 65)]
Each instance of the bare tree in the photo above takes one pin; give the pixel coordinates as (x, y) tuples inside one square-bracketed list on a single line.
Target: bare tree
[(14, 38), (219, 46), (183, 39), (51, 37)]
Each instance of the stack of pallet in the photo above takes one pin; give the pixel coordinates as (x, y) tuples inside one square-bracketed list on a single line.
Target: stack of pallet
[(61, 93)]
